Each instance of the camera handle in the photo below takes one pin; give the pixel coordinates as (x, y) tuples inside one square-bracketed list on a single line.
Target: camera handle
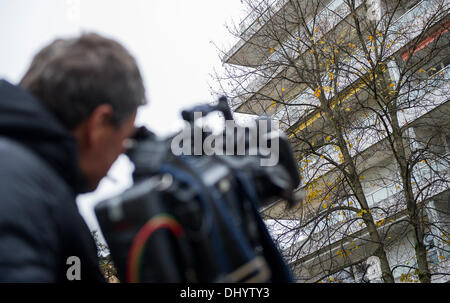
[(221, 106)]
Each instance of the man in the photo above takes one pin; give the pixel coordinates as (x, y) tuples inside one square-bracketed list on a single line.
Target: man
[(60, 131)]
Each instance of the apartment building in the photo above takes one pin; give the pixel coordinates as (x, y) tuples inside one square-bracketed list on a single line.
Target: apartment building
[(298, 61)]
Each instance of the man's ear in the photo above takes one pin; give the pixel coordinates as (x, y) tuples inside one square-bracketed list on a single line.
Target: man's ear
[(96, 125)]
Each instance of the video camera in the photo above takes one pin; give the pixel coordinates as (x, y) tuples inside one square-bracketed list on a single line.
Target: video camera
[(191, 217)]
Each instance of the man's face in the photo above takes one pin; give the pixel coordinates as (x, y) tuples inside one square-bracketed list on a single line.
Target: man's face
[(100, 144)]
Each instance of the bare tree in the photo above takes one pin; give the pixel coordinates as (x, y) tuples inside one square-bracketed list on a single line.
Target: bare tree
[(361, 89)]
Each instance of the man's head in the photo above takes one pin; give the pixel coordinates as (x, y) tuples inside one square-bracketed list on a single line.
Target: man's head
[(93, 86)]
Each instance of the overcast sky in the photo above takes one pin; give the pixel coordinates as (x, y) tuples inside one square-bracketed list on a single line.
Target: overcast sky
[(171, 40)]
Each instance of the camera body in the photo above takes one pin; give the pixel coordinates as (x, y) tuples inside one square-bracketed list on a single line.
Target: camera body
[(194, 217)]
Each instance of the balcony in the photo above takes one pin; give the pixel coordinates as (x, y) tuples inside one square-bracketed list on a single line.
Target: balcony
[(431, 175), (428, 95), (243, 53), (409, 25), (372, 154), (276, 61), (365, 140), (261, 11), (247, 52), (289, 114), (422, 97), (341, 239), (398, 37)]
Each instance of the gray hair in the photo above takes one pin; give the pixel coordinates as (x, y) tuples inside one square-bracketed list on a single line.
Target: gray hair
[(72, 77)]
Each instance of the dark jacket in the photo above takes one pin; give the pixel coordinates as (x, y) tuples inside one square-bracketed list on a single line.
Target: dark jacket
[(40, 225)]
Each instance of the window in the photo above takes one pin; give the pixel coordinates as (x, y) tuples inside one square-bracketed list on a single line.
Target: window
[(404, 7)]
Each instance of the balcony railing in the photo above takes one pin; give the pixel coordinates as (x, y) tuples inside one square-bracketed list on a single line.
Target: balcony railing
[(367, 133), (428, 95), (262, 11), (289, 114), (411, 23), (250, 19)]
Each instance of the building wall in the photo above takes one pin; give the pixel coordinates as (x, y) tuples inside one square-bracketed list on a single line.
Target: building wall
[(381, 182)]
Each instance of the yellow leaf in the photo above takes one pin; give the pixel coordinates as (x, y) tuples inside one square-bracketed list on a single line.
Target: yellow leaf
[(282, 89), (317, 92), (271, 50), (325, 205), (347, 109), (392, 84)]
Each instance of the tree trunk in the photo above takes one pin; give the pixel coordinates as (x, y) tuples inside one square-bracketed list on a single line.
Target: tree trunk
[(415, 216), (359, 193)]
